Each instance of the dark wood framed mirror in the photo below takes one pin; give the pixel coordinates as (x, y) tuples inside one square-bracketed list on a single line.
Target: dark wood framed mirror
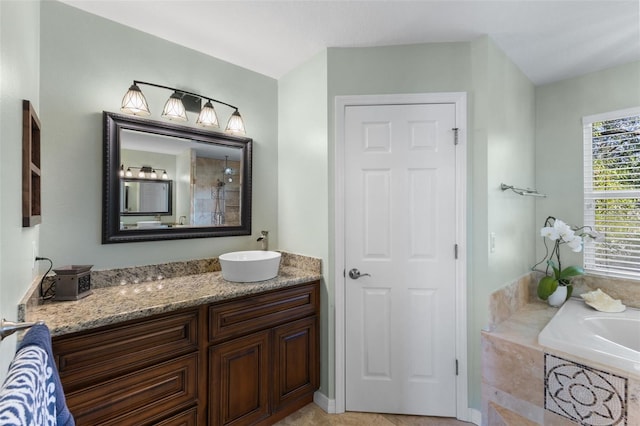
[(163, 181)]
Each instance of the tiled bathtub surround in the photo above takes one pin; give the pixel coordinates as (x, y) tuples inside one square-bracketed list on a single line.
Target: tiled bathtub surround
[(586, 395), (510, 299), (507, 300), (628, 291), (128, 293), (513, 363)]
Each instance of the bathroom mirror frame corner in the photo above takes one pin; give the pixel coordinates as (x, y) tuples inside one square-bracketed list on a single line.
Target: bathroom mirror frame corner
[(114, 126)]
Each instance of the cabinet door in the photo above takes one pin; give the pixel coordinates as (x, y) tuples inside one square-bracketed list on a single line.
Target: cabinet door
[(296, 361), (238, 378)]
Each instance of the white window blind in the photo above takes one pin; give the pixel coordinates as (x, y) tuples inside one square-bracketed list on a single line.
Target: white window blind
[(612, 193)]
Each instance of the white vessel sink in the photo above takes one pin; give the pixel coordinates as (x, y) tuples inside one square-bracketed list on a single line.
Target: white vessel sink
[(249, 266)]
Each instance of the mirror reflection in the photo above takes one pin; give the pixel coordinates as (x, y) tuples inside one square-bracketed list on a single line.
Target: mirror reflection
[(173, 181), (141, 197), (208, 184)]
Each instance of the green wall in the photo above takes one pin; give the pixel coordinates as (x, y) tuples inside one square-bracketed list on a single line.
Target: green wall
[(503, 123), (500, 138), (19, 79), (303, 182), (87, 65), (560, 107)]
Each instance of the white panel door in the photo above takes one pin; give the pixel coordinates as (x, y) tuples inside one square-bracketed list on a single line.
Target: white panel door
[(400, 227)]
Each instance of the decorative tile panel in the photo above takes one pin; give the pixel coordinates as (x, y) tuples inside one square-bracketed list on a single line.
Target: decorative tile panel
[(583, 394)]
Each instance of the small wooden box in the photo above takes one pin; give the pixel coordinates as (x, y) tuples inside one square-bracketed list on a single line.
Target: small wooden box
[(73, 282)]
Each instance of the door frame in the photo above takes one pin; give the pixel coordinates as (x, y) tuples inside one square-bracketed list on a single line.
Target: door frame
[(460, 100)]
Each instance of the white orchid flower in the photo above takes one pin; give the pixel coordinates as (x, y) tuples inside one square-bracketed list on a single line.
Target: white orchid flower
[(549, 232), (575, 244), (564, 230)]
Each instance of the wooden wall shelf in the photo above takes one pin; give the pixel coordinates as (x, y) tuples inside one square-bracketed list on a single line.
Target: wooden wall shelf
[(31, 173)]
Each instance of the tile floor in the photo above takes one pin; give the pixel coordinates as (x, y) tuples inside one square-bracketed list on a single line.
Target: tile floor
[(312, 415)]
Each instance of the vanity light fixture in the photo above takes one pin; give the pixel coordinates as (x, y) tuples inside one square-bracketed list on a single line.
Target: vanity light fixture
[(143, 172), (135, 103)]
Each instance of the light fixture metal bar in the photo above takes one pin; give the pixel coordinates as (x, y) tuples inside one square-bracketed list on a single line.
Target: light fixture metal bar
[(185, 92)]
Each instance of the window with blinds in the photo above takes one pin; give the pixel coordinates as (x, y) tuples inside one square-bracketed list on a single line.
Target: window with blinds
[(612, 193)]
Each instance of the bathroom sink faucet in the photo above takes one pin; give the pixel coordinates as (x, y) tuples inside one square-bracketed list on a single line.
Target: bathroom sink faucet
[(264, 240)]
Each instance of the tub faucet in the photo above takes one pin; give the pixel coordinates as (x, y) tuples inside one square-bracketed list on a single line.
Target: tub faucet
[(264, 240)]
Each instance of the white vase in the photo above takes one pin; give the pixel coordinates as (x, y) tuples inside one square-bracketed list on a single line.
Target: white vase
[(558, 297)]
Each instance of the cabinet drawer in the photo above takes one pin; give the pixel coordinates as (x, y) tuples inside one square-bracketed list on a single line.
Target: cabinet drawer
[(187, 418), (86, 359), (139, 398), (232, 319)]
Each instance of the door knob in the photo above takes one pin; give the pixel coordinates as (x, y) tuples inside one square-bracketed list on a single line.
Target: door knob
[(354, 274)]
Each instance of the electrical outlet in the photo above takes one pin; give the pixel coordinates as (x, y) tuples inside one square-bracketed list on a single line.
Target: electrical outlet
[(492, 242)]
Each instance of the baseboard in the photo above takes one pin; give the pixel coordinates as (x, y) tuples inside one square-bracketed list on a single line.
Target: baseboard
[(321, 400), (329, 405), (475, 416)]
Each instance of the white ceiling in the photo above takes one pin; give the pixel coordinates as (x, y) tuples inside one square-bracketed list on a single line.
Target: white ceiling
[(548, 40)]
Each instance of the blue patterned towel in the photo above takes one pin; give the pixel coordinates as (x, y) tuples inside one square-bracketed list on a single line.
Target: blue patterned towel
[(32, 394)]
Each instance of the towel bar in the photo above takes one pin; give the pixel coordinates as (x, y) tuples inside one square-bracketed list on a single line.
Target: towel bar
[(7, 328), (520, 191)]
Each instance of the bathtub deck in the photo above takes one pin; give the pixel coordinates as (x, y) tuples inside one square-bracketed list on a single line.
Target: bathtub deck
[(513, 371)]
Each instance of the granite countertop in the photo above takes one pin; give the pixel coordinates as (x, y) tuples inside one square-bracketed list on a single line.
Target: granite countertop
[(118, 303)]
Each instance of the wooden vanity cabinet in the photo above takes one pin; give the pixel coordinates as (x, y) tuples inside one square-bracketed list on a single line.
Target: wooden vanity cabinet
[(263, 356), (247, 361)]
